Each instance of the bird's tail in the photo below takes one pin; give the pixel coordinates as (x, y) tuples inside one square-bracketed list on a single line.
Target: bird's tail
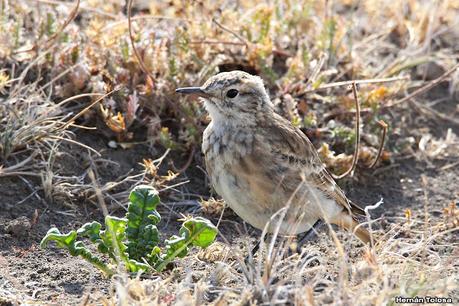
[(346, 221)]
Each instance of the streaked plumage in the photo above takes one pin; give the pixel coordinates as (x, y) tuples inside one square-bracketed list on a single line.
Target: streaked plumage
[(260, 163)]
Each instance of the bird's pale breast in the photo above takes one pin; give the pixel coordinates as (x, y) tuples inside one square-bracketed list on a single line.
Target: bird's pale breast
[(256, 183)]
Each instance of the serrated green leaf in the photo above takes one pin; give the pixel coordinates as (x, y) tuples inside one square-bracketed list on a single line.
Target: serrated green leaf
[(142, 217), (201, 231), (113, 237), (176, 244), (75, 248), (90, 230), (62, 240), (134, 240), (195, 231)]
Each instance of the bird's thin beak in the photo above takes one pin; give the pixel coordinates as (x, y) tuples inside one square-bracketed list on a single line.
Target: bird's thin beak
[(191, 90)]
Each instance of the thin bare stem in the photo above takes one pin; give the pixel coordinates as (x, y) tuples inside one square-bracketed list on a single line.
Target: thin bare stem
[(424, 88), (145, 17), (18, 173), (188, 162), (87, 9), (355, 158), (316, 71), (90, 94), (48, 43), (97, 190), (131, 38), (244, 41), (76, 143), (60, 75), (367, 213), (18, 165), (84, 110), (415, 93), (381, 145), (216, 42), (359, 82), (69, 19)]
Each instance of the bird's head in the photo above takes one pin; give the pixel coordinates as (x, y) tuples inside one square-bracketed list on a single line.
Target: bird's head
[(232, 96)]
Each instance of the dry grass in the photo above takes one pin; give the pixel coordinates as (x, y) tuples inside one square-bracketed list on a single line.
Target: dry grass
[(296, 48), (410, 259), (56, 64)]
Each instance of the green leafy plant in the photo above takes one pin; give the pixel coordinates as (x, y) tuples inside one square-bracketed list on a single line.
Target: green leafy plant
[(345, 135), (134, 240)]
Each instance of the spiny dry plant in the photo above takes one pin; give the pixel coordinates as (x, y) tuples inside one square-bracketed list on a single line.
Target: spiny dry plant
[(67, 66)]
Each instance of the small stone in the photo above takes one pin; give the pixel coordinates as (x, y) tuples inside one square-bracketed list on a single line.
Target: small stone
[(19, 227), (430, 70), (112, 144)]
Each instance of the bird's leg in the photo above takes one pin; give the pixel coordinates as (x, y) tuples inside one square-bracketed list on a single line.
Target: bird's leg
[(255, 249), (307, 236)]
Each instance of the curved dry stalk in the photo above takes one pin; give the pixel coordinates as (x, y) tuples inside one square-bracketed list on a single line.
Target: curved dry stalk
[(131, 38), (355, 158), (71, 16), (76, 143), (19, 88), (90, 94), (415, 93), (17, 166), (19, 173), (316, 71), (143, 17), (187, 164), (60, 75), (381, 145), (48, 42), (368, 217)]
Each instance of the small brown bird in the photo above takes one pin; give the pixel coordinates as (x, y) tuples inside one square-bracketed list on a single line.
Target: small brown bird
[(266, 169)]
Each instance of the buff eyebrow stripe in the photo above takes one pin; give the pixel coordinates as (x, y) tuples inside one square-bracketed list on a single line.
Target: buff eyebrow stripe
[(226, 82)]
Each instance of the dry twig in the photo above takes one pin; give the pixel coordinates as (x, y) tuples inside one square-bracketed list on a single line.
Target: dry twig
[(231, 32), (48, 43), (381, 145), (359, 82), (187, 164), (355, 158), (84, 110), (424, 88), (415, 93), (131, 38)]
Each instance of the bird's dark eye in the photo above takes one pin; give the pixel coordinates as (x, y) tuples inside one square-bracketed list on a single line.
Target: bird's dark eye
[(232, 93)]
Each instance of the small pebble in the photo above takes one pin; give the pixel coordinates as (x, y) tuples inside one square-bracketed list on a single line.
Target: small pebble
[(19, 227)]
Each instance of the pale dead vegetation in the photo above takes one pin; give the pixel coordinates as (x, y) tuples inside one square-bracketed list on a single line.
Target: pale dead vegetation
[(411, 258)]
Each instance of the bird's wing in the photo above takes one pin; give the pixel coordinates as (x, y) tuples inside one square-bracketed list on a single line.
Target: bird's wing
[(295, 148)]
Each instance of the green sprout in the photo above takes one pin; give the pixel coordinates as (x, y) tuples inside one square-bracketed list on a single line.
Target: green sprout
[(134, 240)]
